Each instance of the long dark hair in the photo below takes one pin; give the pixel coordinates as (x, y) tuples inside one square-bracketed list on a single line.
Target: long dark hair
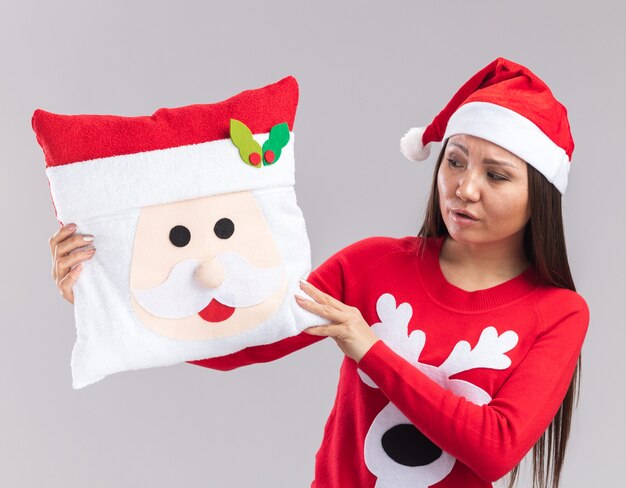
[(544, 245)]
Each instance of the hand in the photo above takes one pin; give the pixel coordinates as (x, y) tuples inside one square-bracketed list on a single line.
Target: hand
[(348, 327), (68, 252)]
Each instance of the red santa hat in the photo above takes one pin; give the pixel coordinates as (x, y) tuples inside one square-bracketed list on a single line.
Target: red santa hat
[(504, 103), (106, 164)]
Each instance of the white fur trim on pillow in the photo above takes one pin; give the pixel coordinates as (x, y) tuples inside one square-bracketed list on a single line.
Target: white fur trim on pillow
[(116, 184)]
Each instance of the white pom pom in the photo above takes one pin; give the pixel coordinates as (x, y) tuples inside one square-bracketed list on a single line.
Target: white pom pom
[(411, 145)]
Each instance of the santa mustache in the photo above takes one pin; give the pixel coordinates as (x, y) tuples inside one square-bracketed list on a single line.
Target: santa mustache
[(181, 295)]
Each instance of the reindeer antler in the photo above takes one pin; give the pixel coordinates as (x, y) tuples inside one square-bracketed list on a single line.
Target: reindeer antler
[(394, 324), (393, 330), (488, 352)]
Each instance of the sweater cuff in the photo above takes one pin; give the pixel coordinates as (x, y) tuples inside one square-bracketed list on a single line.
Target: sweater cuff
[(379, 353)]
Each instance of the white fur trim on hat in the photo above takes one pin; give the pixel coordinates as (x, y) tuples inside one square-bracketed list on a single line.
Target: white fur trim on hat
[(515, 133), (411, 145)]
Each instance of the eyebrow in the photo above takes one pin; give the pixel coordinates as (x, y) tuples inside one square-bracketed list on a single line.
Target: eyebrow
[(486, 160)]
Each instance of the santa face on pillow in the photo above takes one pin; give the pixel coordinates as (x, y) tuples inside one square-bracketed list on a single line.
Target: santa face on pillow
[(205, 268), (201, 243)]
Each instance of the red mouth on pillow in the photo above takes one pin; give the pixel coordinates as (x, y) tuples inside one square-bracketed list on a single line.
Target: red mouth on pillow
[(216, 311)]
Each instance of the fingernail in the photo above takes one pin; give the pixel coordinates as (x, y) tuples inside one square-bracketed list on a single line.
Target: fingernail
[(304, 282), (71, 227), (88, 238)]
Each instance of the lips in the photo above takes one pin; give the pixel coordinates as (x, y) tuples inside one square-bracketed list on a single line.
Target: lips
[(216, 311), (463, 213)]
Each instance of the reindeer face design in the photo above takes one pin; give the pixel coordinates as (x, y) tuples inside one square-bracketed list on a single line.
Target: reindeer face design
[(396, 452)]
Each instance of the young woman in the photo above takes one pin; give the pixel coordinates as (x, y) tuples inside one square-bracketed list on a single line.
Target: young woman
[(463, 343)]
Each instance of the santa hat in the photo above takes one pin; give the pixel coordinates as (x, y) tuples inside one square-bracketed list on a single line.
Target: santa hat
[(104, 164), (504, 103)]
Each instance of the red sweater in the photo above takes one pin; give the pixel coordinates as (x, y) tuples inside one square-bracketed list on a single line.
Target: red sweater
[(461, 384)]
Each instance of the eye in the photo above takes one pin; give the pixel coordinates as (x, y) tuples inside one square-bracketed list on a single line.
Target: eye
[(496, 177), (180, 236), (224, 228), (452, 162)]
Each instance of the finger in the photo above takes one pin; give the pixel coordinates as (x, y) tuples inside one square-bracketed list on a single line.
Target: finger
[(59, 235), (319, 296), (66, 247), (64, 265), (331, 330), (323, 310), (72, 243), (66, 284)]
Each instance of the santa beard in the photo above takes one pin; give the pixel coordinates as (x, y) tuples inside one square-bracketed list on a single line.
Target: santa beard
[(181, 295)]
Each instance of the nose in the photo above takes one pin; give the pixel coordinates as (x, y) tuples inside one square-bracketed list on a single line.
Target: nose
[(469, 188), (210, 273), (406, 445)]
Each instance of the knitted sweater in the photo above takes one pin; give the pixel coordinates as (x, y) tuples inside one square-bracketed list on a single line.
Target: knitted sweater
[(460, 385)]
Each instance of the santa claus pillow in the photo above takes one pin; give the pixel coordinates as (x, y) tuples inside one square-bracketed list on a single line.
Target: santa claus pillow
[(200, 241)]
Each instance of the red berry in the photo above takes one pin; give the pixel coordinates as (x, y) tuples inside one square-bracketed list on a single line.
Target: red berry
[(269, 156), (254, 158)]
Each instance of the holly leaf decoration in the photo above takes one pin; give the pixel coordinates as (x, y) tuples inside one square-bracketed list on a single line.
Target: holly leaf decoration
[(249, 150), (278, 139)]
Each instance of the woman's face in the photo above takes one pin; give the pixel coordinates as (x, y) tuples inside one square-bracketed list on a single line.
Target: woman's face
[(484, 179)]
